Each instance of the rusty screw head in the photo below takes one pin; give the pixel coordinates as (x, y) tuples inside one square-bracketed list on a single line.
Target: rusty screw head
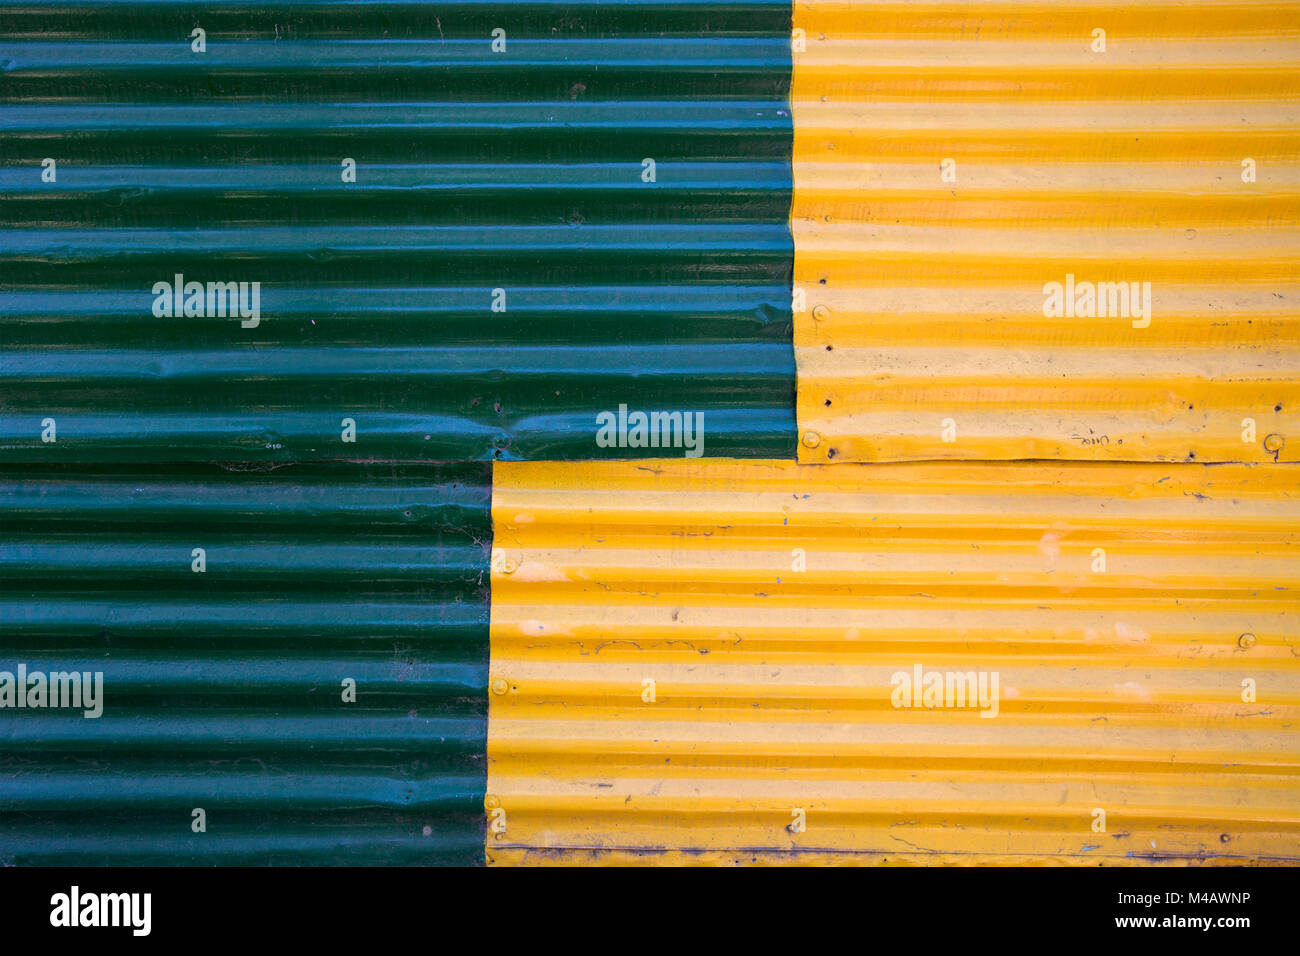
[(1246, 641)]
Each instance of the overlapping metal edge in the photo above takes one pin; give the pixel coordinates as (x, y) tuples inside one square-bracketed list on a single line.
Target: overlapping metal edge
[(690, 661), (378, 331), (953, 159), (223, 679)]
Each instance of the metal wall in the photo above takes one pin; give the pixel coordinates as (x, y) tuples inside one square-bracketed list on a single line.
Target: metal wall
[(520, 169), (691, 661), (953, 159), (223, 680)]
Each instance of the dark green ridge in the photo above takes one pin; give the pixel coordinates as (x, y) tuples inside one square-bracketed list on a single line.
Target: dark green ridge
[(222, 689), (476, 171)]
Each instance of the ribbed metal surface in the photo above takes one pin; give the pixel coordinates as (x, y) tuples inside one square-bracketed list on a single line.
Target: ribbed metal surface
[(223, 689), (520, 170), (925, 333), (772, 604)]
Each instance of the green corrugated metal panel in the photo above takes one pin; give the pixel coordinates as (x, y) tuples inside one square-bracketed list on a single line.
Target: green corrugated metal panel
[(223, 689), (519, 170)]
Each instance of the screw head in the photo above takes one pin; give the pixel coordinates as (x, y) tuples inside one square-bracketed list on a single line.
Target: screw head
[(500, 685), (491, 802), (1246, 640), (1274, 443), (811, 439), (821, 313), (508, 567)]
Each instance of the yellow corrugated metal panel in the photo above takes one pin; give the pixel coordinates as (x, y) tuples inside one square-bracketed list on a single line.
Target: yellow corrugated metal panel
[(772, 605), (952, 159)]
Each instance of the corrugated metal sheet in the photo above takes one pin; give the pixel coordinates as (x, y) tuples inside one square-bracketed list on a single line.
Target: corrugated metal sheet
[(520, 170), (223, 689), (925, 334), (771, 605)]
